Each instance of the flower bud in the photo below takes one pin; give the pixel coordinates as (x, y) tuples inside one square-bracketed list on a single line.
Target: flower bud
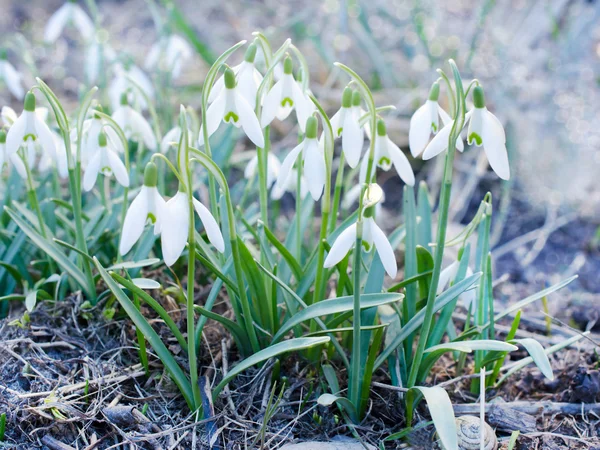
[(478, 97), (229, 78), (356, 98), (150, 175), (288, 66), (347, 98), (124, 100), (434, 92), (29, 103), (250, 53), (98, 109), (311, 127)]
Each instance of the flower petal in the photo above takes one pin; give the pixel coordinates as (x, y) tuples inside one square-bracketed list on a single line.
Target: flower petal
[(142, 128), (337, 123), (118, 168), (420, 129), (12, 79), (304, 106), (214, 116), (314, 162), (271, 104), (171, 139), (174, 228), (14, 137), (135, 220), (385, 250), (494, 145), (211, 226), (446, 276), (439, 143), (57, 22), (82, 22), (91, 171), (249, 121), (401, 163), (286, 166), (341, 246), (353, 139)]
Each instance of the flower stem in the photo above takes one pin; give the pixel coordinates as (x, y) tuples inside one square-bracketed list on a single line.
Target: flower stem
[(262, 155), (337, 193), (459, 118)]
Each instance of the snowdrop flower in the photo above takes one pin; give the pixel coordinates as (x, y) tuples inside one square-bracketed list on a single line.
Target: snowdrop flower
[(372, 236), (175, 220), (484, 130), (29, 131), (69, 13), (387, 154), (169, 54), (313, 158), (448, 275), (97, 56), (425, 121), (133, 124), (345, 123), (10, 76), (291, 186), (8, 159), (273, 168), (172, 137), (285, 96), (144, 210), (248, 79), (231, 106), (121, 84), (105, 161), (90, 134)]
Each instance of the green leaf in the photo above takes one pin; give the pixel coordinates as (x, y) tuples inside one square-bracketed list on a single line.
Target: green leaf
[(146, 283), (335, 306), (424, 265), (50, 248), (285, 253), (31, 300), (152, 337), (536, 351), (240, 336), (469, 346), (443, 299), (134, 264), (292, 345), (345, 404), (13, 271), (442, 413)]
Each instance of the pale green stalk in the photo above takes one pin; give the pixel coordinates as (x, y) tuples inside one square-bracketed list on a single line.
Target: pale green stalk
[(459, 117)]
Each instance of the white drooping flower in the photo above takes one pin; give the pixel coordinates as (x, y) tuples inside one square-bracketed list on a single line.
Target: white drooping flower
[(172, 137), (10, 76), (231, 106), (387, 154), (98, 56), (345, 123), (448, 275), (313, 159), (10, 159), (174, 227), (425, 121), (286, 95), (105, 161), (484, 130), (372, 236), (273, 168), (248, 79), (291, 187), (30, 131), (90, 133), (169, 54), (144, 210), (69, 13), (121, 85), (133, 124)]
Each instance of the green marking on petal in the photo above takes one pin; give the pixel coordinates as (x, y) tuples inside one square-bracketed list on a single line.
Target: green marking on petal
[(366, 246), (384, 161), (231, 117), (106, 170), (434, 127), (287, 100), (30, 135), (150, 219), (475, 137), (339, 131)]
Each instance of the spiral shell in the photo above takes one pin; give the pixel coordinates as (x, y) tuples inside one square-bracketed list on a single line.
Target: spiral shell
[(467, 429)]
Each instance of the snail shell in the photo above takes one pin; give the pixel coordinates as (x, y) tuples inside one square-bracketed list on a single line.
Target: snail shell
[(467, 429)]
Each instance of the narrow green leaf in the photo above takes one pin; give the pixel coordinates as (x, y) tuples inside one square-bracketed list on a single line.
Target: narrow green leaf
[(285, 253), (442, 413), (292, 345), (536, 351), (31, 300)]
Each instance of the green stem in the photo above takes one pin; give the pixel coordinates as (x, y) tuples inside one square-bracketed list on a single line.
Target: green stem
[(262, 155), (355, 366), (337, 193), (298, 211), (459, 118)]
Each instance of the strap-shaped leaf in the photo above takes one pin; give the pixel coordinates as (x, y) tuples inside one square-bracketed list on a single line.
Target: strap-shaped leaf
[(152, 337), (292, 345), (335, 306), (442, 413), (537, 353)]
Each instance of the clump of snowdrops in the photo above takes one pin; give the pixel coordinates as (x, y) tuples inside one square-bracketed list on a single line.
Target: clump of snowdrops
[(320, 281)]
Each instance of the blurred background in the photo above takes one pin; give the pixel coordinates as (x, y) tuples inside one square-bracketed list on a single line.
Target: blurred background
[(539, 62)]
